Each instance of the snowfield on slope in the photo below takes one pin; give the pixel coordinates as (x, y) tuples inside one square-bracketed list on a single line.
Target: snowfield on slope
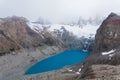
[(86, 31), (36, 27)]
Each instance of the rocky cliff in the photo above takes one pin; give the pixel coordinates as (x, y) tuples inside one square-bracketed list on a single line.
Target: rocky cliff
[(106, 51), (108, 34), (16, 34)]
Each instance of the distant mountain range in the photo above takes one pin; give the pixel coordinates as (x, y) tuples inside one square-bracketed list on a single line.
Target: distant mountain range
[(73, 36)]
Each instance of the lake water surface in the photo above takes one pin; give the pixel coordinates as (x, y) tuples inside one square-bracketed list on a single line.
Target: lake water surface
[(58, 61)]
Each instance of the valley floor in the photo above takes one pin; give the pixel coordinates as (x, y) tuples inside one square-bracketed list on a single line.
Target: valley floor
[(13, 66), (103, 72)]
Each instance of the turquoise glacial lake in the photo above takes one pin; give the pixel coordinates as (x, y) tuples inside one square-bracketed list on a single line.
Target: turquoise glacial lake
[(58, 61)]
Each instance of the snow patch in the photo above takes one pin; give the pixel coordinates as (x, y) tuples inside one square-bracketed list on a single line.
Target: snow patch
[(116, 35), (70, 70), (79, 70), (82, 66), (85, 51), (77, 73), (109, 52), (111, 55)]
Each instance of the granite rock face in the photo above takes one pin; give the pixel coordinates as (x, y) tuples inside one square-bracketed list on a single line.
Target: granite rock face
[(108, 35)]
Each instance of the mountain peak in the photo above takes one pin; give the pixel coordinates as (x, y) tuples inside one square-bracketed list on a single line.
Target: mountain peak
[(107, 37), (111, 15)]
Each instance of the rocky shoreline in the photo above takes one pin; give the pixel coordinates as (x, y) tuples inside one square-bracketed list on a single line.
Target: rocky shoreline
[(14, 65)]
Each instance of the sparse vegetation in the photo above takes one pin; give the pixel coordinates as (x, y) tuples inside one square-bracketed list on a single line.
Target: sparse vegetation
[(2, 53), (12, 49)]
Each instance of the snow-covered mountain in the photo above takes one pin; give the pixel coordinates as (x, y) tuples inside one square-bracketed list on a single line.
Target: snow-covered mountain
[(86, 31), (74, 37)]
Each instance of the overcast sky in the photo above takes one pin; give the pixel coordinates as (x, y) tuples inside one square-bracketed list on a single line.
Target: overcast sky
[(58, 10)]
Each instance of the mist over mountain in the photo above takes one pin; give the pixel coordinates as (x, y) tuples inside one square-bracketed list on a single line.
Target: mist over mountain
[(58, 10)]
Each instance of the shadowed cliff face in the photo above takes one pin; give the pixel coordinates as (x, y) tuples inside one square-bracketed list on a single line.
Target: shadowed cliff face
[(16, 34), (108, 35)]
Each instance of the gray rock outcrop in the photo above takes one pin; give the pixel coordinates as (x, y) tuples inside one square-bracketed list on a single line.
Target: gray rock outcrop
[(108, 35), (15, 34)]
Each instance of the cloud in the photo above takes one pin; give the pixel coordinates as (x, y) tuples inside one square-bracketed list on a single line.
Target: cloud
[(58, 10)]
